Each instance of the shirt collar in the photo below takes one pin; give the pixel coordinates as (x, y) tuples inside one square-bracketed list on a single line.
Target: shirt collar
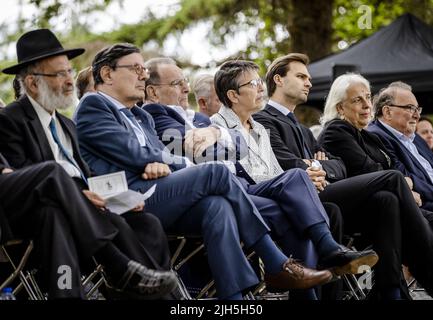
[(279, 107), (232, 119), (116, 103), (397, 133), (43, 115)]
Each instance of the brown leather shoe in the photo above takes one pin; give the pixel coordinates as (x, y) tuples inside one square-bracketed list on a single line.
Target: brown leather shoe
[(296, 276)]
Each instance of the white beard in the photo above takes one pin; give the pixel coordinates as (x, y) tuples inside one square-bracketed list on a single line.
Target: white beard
[(51, 100)]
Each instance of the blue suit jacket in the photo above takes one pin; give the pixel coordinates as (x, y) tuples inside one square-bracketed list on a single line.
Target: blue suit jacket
[(164, 116), (170, 127), (112, 146), (405, 162)]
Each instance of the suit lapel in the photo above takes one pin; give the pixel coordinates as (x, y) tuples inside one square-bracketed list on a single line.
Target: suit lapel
[(144, 120), (69, 128), (38, 131), (405, 151), (281, 117)]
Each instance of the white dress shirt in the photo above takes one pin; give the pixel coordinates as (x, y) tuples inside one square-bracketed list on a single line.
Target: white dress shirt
[(279, 107), (138, 131), (45, 119)]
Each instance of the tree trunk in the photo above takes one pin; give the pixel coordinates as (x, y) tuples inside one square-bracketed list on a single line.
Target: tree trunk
[(311, 28)]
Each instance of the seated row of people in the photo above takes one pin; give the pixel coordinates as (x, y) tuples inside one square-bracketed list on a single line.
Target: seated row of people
[(363, 199), (206, 200), (273, 185)]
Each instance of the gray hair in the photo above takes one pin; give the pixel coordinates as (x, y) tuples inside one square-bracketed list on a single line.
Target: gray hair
[(338, 93), (202, 86), (400, 85), (23, 73), (152, 67), (387, 95)]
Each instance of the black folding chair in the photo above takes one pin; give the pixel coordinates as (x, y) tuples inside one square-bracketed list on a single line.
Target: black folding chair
[(15, 265)]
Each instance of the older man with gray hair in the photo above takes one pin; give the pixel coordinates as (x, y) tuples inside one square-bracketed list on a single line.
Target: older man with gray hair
[(396, 116), (205, 95)]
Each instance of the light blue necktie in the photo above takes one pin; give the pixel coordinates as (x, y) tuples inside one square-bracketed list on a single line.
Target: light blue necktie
[(135, 125), (65, 152)]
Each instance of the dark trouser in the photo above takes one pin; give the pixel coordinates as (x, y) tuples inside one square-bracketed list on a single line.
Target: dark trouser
[(297, 197), (37, 203), (381, 205), (208, 200), (152, 239), (141, 236)]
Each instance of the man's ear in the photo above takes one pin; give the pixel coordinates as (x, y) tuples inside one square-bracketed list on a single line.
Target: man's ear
[(386, 112), (31, 85), (202, 105), (278, 80), (233, 96), (151, 94), (105, 74)]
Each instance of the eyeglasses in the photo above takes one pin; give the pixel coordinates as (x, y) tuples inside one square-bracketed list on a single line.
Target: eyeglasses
[(409, 107), (253, 83), (174, 83), (138, 68), (59, 74)]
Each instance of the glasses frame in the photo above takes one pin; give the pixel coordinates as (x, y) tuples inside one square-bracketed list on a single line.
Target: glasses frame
[(254, 83), (59, 74), (174, 83), (136, 67), (409, 107)]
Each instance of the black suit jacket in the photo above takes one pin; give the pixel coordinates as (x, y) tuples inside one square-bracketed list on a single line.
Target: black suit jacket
[(361, 151), (5, 231), (23, 141), (287, 146)]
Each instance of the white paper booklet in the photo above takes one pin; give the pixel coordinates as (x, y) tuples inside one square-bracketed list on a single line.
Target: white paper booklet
[(113, 188)]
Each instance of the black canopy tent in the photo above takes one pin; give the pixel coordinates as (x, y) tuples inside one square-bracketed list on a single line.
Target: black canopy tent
[(401, 51)]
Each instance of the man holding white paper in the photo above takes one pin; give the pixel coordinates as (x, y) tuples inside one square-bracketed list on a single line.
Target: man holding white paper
[(113, 188), (33, 131)]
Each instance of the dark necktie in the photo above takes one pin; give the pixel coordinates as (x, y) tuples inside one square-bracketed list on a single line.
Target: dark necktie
[(63, 150), (292, 118)]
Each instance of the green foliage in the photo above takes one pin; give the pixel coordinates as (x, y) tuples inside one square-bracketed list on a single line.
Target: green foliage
[(267, 23)]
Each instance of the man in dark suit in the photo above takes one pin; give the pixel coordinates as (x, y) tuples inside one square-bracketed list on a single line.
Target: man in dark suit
[(115, 135), (166, 93), (168, 86), (396, 116), (37, 204), (33, 132), (288, 83)]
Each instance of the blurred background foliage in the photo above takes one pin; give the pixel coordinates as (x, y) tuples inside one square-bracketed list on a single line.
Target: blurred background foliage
[(273, 27)]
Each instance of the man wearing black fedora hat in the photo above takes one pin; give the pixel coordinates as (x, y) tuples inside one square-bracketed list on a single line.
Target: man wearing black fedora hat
[(32, 133)]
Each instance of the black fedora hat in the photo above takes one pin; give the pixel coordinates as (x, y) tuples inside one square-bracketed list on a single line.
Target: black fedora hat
[(36, 45)]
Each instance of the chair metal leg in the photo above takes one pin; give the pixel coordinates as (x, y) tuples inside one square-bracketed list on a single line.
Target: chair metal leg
[(21, 264)]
